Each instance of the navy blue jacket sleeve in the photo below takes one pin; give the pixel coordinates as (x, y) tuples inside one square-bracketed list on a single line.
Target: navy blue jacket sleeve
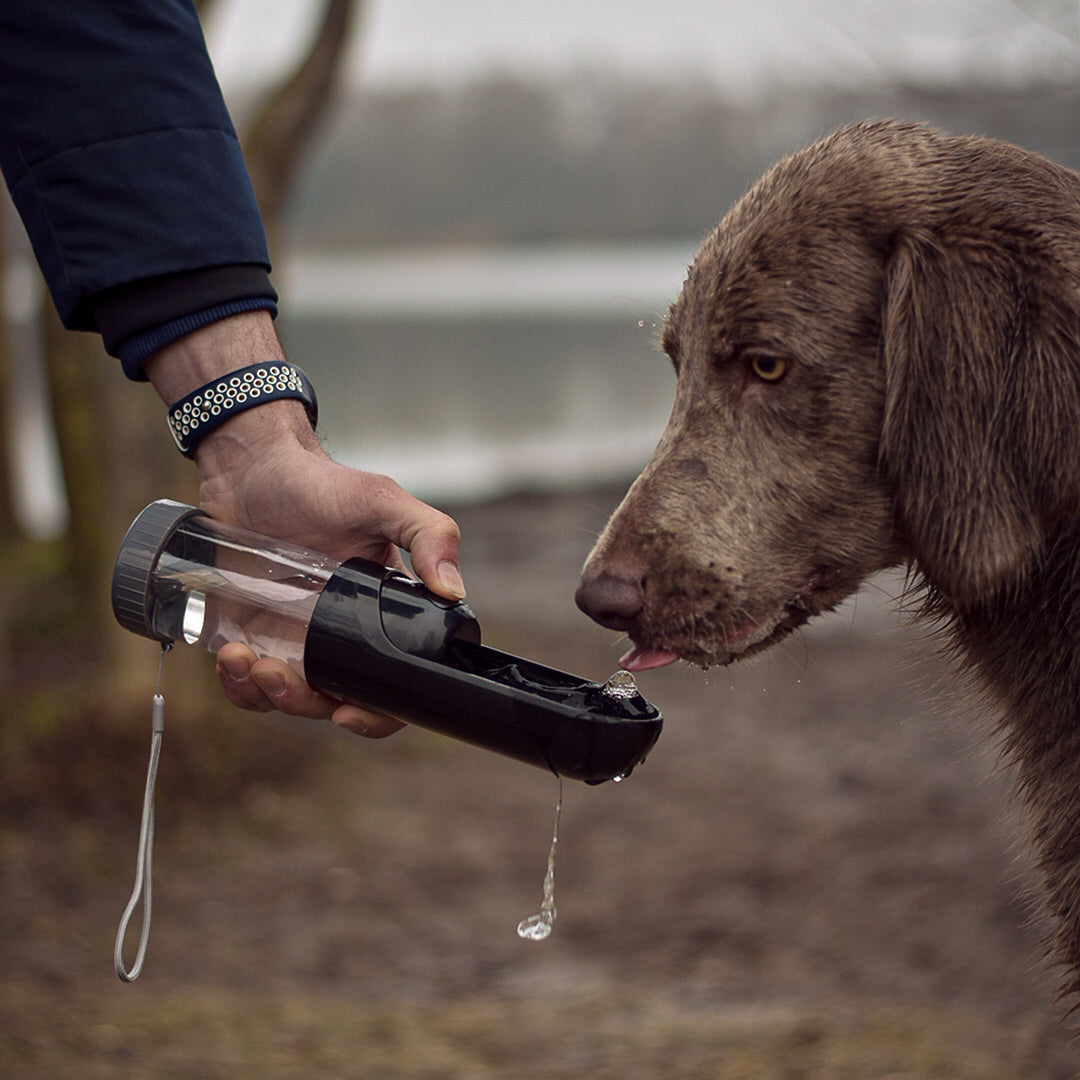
[(122, 160)]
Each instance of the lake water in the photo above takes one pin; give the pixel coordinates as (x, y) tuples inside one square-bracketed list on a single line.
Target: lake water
[(468, 373)]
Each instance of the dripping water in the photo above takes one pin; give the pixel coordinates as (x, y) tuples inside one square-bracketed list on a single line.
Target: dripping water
[(537, 927)]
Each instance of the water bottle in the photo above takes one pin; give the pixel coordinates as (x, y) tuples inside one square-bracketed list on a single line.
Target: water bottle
[(372, 636)]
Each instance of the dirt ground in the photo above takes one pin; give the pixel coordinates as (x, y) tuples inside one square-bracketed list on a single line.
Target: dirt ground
[(817, 872)]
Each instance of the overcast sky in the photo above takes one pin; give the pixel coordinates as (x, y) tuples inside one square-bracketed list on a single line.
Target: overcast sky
[(744, 46)]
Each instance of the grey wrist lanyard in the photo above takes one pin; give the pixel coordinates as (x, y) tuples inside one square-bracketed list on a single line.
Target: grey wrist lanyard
[(144, 861)]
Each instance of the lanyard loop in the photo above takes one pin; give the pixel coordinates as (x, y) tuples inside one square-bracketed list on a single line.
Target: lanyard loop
[(144, 861)]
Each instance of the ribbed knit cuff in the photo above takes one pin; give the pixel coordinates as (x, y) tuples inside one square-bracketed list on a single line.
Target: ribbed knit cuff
[(168, 306), (136, 350)]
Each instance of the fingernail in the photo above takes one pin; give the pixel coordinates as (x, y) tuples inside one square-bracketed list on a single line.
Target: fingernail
[(351, 720), (450, 579), (236, 671), (271, 683)]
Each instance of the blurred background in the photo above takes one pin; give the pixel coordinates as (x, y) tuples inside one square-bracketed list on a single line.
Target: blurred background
[(478, 215)]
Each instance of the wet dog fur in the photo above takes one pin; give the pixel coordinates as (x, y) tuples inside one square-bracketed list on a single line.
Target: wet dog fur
[(877, 358)]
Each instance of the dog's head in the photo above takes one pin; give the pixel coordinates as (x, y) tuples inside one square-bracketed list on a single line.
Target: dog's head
[(876, 358)]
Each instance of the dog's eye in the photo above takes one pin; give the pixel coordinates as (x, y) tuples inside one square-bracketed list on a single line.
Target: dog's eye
[(769, 368)]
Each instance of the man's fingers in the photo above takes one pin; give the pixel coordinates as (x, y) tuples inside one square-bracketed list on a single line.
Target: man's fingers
[(371, 725), (233, 670), (287, 692), (433, 541), (266, 684)]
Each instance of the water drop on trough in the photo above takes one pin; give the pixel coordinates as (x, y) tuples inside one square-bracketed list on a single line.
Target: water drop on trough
[(620, 685)]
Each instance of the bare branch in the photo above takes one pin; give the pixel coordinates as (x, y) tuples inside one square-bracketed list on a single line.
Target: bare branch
[(283, 128)]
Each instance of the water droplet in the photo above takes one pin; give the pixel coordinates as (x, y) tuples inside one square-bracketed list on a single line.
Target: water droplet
[(641, 323), (618, 779), (537, 927), (620, 685)]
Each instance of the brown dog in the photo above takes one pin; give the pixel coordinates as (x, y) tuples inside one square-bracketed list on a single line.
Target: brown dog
[(878, 361)]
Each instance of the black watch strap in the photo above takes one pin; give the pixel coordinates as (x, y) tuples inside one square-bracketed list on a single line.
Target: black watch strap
[(192, 418)]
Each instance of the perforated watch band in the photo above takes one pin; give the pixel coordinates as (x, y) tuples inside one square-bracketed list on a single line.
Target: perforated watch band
[(192, 418)]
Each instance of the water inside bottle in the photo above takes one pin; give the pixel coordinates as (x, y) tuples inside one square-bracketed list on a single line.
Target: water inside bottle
[(208, 606)]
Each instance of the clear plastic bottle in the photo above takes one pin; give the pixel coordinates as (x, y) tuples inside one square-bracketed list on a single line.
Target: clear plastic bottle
[(210, 583)]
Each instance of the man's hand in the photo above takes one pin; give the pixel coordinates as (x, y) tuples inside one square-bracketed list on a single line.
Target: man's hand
[(264, 469)]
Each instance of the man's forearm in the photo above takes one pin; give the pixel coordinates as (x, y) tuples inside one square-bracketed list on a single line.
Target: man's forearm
[(215, 351)]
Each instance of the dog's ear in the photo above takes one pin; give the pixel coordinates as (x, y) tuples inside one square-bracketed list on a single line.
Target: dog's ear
[(980, 400)]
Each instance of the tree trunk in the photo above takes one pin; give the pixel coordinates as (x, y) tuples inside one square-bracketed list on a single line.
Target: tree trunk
[(284, 126)]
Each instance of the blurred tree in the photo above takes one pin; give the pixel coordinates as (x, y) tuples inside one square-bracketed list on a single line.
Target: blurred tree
[(284, 127)]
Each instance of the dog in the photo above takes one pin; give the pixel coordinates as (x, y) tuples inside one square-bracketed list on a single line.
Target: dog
[(877, 358)]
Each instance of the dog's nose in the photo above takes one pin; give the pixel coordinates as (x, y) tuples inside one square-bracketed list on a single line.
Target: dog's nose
[(610, 599)]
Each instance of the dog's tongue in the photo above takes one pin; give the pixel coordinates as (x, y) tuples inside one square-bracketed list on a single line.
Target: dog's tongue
[(638, 659)]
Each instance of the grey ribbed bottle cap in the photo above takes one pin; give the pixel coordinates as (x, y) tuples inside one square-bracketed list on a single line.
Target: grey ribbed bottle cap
[(146, 537)]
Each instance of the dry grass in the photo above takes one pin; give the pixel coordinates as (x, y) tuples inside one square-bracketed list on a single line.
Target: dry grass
[(216, 1035)]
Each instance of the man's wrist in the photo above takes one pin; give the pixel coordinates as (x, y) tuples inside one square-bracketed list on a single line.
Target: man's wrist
[(193, 418), (255, 435), (214, 355), (211, 352)]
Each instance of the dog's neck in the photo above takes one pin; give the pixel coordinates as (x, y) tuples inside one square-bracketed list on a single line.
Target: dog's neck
[(1024, 646)]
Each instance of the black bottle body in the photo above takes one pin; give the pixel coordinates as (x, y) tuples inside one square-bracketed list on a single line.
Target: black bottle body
[(375, 640)]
